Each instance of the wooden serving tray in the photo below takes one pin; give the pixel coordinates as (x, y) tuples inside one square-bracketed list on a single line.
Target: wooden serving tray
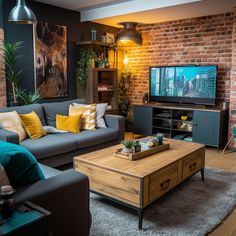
[(144, 153)]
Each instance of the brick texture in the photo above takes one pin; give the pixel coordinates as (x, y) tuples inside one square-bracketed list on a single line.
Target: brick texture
[(3, 99), (233, 75), (203, 40)]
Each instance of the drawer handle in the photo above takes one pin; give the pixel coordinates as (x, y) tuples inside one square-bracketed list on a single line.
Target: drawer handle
[(193, 166), (164, 185)]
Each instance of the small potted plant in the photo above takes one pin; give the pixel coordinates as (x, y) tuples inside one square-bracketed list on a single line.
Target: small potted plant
[(137, 147), (128, 146)]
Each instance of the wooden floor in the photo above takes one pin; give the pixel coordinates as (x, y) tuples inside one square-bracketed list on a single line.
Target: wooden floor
[(226, 162)]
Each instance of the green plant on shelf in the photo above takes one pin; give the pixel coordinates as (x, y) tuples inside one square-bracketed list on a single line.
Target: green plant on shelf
[(86, 59)]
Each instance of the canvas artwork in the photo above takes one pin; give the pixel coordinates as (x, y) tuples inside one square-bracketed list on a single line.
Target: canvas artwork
[(50, 60)]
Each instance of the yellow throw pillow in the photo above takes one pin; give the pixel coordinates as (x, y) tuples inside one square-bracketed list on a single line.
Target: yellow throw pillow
[(69, 123), (89, 115), (11, 121), (33, 125)]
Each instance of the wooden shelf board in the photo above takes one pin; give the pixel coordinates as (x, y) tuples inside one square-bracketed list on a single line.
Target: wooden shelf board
[(160, 127), (181, 130), (109, 90), (161, 118), (104, 69), (96, 43), (187, 121)]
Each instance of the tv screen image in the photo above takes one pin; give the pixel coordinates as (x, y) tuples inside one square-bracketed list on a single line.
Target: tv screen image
[(190, 84)]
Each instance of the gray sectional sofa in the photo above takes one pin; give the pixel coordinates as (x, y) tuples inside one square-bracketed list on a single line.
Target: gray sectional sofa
[(59, 149)]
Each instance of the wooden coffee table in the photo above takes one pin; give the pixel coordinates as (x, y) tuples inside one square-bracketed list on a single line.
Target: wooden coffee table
[(137, 184)]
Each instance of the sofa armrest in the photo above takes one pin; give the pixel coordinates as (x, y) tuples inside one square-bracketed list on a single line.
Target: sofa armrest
[(66, 195), (117, 122), (9, 136)]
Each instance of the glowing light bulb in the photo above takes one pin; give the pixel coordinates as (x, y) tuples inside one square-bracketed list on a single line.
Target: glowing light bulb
[(126, 60)]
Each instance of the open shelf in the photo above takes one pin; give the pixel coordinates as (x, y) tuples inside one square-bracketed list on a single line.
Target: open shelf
[(98, 43), (161, 127), (182, 130)]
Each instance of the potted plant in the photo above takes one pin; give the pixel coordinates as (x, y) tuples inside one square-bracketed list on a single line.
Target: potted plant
[(25, 97), (87, 58), (10, 59), (137, 147), (128, 146), (100, 62), (125, 76)]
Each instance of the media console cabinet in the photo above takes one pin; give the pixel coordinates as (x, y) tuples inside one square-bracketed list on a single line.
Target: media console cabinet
[(200, 125)]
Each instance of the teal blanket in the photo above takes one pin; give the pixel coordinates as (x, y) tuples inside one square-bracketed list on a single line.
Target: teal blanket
[(20, 165)]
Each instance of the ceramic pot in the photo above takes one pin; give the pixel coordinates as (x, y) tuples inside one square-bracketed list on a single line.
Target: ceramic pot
[(127, 150), (137, 148)]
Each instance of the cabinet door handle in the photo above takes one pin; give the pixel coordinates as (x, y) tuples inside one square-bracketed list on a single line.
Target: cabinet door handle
[(165, 184), (193, 166), (195, 125)]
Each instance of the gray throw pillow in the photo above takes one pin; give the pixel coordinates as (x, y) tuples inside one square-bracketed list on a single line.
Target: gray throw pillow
[(100, 112), (53, 130)]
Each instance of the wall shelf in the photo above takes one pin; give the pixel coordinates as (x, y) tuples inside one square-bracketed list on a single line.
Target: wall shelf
[(96, 43)]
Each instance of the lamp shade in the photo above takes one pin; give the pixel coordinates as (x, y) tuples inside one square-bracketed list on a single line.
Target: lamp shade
[(21, 14), (128, 36)]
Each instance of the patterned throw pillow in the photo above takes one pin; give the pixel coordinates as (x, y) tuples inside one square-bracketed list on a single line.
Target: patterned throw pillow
[(101, 110), (11, 121), (88, 121)]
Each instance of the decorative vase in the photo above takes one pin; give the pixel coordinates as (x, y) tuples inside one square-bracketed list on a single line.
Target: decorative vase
[(137, 148), (100, 64), (107, 63)]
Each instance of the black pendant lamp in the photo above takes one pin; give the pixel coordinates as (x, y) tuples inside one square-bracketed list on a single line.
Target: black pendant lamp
[(128, 36), (21, 14)]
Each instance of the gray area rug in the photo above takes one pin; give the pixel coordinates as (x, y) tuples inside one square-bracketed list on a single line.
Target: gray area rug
[(193, 208)]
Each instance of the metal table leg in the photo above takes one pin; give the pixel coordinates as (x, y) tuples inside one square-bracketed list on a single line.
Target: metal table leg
[(202, 174), (140, 219)]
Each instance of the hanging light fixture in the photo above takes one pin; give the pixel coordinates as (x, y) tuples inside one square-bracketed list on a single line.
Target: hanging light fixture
[(21, 14), (128, 36)]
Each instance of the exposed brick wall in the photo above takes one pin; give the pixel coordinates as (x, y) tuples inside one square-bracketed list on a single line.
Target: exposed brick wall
[(203, 40), (233, 75), (2, 77)]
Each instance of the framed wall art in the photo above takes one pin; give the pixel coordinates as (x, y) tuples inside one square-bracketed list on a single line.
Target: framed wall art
[(50, 49)]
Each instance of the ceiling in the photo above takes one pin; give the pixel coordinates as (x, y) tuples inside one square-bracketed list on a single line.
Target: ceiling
[(78, 4), (111, 12)]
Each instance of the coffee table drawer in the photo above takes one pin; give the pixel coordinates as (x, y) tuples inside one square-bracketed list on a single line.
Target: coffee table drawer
[(192, 164), (163, 180)]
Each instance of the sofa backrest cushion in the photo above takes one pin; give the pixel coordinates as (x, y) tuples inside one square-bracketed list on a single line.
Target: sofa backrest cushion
[(60, 108), (37, 108)]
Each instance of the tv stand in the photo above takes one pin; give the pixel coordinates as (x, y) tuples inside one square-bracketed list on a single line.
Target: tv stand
[(208, 126)]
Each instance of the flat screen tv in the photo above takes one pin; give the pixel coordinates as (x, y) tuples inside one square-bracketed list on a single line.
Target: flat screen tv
[(183, 84)]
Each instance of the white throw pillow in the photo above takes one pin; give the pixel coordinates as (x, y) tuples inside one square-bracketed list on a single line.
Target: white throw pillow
[(11, 121), (101, 110), (53, 130), (3, 177)]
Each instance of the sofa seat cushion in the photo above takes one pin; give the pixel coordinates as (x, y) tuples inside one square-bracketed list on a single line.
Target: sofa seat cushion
[(50, 145), (89, 138)]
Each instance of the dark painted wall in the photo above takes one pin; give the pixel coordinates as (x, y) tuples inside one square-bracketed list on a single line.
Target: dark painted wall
[(1, 14), (76, 31)]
